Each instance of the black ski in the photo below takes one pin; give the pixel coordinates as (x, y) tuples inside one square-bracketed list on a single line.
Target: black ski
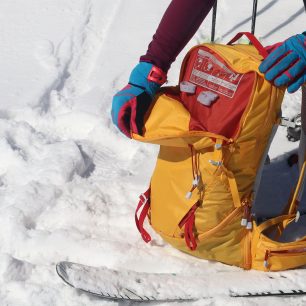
[(214, 17), (273, 293)]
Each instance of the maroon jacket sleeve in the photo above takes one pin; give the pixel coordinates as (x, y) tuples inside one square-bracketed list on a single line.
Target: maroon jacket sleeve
[(179, 23)]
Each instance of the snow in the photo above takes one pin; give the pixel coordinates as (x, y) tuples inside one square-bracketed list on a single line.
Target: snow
[(69, 181)]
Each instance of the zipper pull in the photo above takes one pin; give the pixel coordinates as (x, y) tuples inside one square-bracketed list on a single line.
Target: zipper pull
[(249, 224), (297, 216), (267, 255), (196, 181), (188, 195), (195, 184), (247, 217), (244, 220)]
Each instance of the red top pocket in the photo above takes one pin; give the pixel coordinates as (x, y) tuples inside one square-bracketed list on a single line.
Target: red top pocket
[(221, 94)]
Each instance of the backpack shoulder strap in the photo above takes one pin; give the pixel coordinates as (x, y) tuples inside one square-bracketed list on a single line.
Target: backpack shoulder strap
[(297, 196), (298, 191)]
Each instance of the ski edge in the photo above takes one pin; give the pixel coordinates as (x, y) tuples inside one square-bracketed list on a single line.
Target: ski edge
[(63, 275), (279, 293)]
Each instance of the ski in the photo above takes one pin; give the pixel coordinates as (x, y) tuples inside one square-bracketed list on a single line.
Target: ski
[(139, 286), (120, 285), (274, 293)]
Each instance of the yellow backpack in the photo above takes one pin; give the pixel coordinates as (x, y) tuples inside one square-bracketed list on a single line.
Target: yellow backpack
[(214, 130)]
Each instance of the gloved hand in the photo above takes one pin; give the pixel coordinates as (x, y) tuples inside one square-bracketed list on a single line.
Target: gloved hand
[(286, 65), (131, 103)]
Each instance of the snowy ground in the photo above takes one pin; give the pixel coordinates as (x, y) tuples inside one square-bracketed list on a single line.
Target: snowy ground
[(69, 181)]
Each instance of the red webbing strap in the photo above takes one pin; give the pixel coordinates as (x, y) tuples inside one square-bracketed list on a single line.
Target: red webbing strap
[(262, 51), (189, 235), (144, 203), (189, 221)]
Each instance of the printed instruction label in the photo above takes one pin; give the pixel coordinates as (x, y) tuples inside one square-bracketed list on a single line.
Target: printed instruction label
[(211, 73)]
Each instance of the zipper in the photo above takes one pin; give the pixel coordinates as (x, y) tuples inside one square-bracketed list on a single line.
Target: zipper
[(222, 224), (183, 71), (269, 108), (223, 56), (289, 252), (247, 110)]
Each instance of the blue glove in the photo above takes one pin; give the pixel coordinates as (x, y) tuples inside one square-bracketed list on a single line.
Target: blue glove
[(132, 102), (286, 65)]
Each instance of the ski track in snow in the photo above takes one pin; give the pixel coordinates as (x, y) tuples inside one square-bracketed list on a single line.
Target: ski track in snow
[(58, 168), (54, 170), (70, 182)]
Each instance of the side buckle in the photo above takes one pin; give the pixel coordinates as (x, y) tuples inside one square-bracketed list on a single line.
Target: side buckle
[(156, 75), (288, 123)]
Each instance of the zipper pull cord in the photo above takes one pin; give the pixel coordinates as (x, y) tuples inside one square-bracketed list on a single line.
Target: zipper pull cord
[(266, 260), (195, 172), (247, 216), (244, 220), (249, 224)]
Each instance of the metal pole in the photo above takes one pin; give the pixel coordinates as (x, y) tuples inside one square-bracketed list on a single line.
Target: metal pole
[(254, 15), (213, 26)]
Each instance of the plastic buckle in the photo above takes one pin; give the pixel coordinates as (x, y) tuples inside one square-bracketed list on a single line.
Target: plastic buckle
[(156, 75), (287, 123), (215, 163)]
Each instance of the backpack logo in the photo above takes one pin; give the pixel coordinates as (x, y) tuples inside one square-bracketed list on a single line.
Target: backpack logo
[(211, 73)]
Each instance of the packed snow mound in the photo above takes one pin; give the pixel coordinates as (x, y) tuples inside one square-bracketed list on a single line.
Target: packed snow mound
[(69, 181)]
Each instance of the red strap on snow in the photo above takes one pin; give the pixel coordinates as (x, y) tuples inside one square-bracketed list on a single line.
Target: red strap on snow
[(189, 221), (144, 203), (262, 51)]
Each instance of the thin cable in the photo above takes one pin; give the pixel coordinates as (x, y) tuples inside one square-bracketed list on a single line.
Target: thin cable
[(254, 15), (213, 26)]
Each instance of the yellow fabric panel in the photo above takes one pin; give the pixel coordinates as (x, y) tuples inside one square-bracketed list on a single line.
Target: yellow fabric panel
[(224, 245), (167, 121), (171, 180)]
